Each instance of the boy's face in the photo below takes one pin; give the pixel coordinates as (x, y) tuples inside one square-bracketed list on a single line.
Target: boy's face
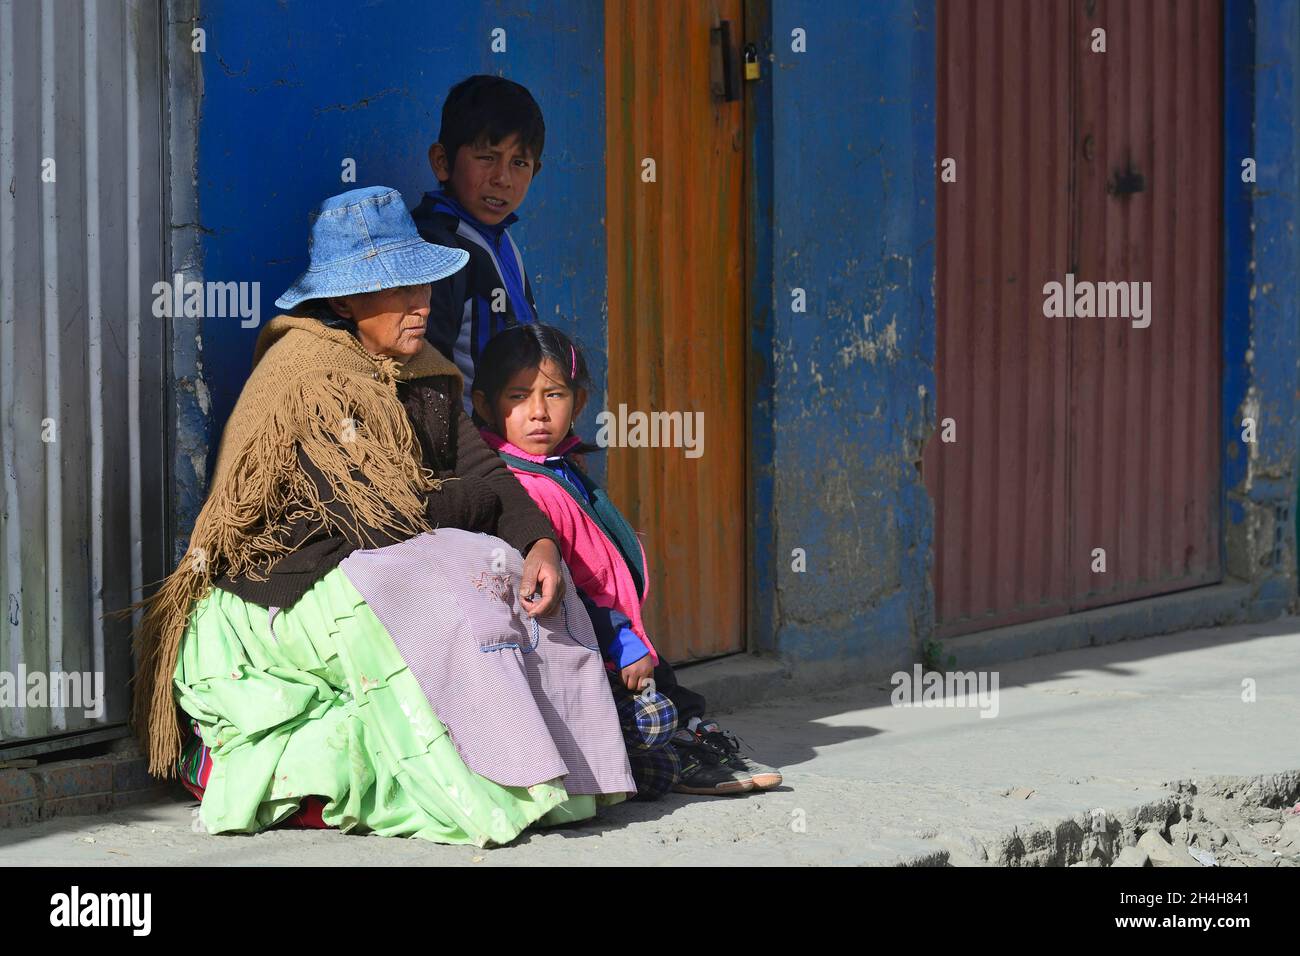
[(489, 181)]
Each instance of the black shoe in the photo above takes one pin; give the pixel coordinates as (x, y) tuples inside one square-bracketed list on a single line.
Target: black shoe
[(728, 746), (703, 769)]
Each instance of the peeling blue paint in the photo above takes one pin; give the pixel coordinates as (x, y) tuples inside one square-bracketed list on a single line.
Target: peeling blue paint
[(853, 225), (190, 404), (1238, 143), (1261, 324)]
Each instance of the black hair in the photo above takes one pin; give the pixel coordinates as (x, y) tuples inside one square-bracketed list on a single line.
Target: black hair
[(490, 109), (527, 346), (321, 310)]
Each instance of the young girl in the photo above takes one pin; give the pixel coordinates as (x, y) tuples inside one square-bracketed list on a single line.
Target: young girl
[(529, 386)]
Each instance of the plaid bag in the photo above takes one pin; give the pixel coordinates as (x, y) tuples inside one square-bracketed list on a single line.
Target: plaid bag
[(648, 722), (655, 771)]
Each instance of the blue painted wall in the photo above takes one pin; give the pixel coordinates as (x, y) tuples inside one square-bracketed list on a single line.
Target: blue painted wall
[(852, 378), (1261, 305), (842, 182), (292, 88)]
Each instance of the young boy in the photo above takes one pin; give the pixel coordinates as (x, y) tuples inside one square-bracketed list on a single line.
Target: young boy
[(489, 149)]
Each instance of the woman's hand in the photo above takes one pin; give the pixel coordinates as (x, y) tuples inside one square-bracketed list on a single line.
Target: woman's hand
[(542, 573), (635, 673)]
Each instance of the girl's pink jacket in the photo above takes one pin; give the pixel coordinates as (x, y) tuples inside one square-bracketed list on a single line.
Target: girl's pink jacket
[(597, 567)]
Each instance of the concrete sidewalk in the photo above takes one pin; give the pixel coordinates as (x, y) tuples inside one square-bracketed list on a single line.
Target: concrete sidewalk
[(1106, 728)]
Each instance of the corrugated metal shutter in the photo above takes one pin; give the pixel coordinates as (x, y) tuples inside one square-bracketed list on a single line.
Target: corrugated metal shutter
[(1002, 231), (1146, 401), (81, 355), (1075, 434)]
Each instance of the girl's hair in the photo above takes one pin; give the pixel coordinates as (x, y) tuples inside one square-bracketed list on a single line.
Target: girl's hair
[(526, 346)]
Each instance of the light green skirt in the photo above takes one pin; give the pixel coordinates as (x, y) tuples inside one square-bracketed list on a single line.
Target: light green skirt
[(326, 706)]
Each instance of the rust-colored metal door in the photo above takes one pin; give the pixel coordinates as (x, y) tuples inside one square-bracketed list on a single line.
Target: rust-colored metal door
[(675, 228), (1145, 416), (1075, 440), (996, 468)]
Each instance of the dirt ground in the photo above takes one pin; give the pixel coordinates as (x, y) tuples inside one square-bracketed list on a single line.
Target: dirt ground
[(1149, 751)]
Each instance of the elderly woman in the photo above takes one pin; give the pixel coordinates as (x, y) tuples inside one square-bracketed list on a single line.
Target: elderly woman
[(355, 630)]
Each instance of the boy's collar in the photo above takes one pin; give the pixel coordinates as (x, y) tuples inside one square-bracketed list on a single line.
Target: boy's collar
[(497, 443), (445, 199)]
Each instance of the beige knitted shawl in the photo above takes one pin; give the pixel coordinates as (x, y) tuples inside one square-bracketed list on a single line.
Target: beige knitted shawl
[(314, 388)]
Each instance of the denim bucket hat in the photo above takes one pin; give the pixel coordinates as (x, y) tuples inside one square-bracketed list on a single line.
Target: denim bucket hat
[(364, 240)]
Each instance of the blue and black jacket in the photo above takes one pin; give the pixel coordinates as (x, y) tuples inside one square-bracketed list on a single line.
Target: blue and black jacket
[(461, 317)]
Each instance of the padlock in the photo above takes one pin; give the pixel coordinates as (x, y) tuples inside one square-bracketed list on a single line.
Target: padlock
[(751, 61)]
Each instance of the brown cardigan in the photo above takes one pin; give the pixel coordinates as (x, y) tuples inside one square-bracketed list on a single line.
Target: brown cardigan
[(485, 496)]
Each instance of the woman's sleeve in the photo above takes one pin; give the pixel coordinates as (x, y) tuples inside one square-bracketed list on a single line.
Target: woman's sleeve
[(520, 522), (470, 504)]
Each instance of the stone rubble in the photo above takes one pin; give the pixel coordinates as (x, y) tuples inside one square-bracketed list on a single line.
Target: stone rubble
[(1226, 826)]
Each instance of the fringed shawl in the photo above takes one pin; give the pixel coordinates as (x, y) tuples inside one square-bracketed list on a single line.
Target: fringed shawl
[(313, 389)]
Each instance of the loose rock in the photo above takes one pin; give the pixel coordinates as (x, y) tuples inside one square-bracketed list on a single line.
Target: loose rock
[(1132, 856), (1161, 853)]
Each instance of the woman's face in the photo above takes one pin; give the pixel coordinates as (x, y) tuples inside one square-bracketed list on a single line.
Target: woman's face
[(535, 409), (390, 322)]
